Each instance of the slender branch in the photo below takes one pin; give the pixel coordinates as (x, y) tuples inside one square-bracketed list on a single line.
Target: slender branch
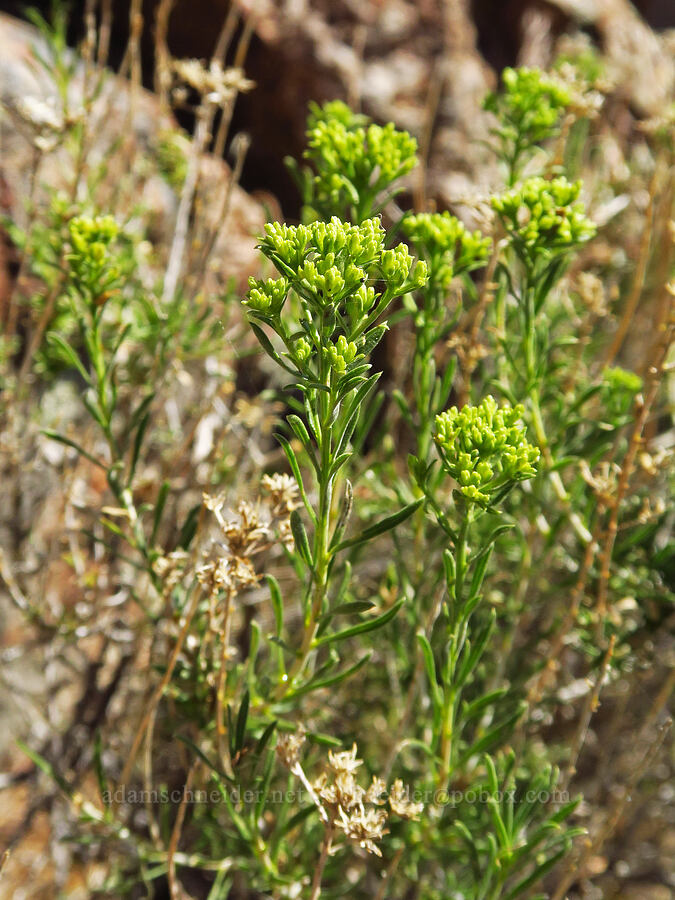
[(590, 707), (175, 889), (159, 690), (221, 731), (321, 865), (177, 252)]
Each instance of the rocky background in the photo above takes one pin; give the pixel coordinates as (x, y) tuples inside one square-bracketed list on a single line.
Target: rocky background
[(426, 65)]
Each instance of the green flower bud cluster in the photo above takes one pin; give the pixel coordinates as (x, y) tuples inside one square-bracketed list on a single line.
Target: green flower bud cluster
[(334, 110), (529, 107), (91, 237), (343, 278), (331, 264), (446, 244), (544, 218), (397, 269), (303, 350), (341, 354), (485, 448), (352, 158), (267, 296), (91, 271), (619, 389)]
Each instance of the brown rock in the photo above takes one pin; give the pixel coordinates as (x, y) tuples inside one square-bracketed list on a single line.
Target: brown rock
[(124, 129)]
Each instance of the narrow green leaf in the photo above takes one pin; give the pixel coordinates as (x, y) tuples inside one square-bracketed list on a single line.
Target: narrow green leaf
[(356, 370), (536, 875), (67, 354), (472, 710), (300, 538), (295, 821), (343, 518), (277, 603), (121, 337), (159, 510), (446, 384), (98, 766), (498, 822), (94, 411), (114, 528), (312, 385), (45, 766), (264, 738), (382, 526), (361, 395), (204, 758), (140, 411), (373, 338), (479, 573), (348, 609), (332, 680), (55, 436), (430, 666), (242, 718), (237, 819), (297, 474), (266, 344), (263, 786), (472, 659), (324, 740), (138, 443), (339, 462), (493, 783), (301, 432), (189, 528), (346, 434), (280, 643), (449, 569), (493, 737), (362, 627)]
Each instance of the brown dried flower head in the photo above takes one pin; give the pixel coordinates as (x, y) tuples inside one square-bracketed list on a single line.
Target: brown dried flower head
[(364, 827), (343, 793), (216, 84), (283, 493), (289, 746), (344, 762), (400, 803), (376, 792), (245, 537)]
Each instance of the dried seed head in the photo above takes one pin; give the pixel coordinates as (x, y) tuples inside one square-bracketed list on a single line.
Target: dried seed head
[(376, 791), (343, 793), (216, 84), (592, 293), (283, 493), (344, 762), (244, 537), (289, 746), (364, 827), (170, 569), (400, 803)]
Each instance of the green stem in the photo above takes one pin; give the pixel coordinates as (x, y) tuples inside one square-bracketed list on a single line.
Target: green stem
[(455, 641), (538, 420), (321, 551)]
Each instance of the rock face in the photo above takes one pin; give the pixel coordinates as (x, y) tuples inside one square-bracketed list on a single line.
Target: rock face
[(420, 63), (124, 133)]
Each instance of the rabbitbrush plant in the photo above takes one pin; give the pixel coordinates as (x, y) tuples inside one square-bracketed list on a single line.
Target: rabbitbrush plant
[(351, 622)]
